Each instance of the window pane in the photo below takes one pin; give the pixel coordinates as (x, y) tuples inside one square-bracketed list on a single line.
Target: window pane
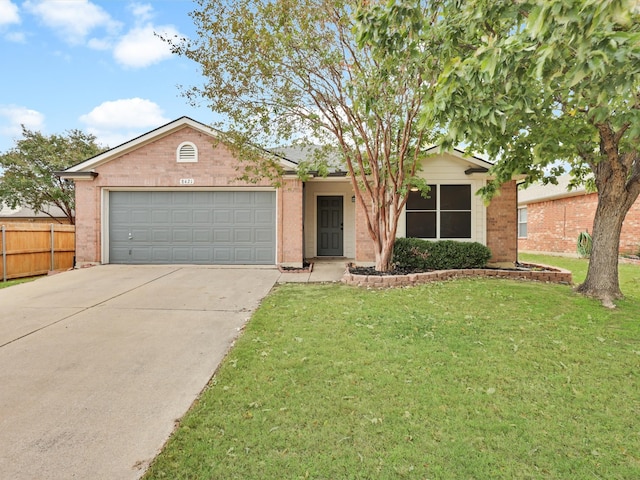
[(421, 224), (455, 225), (522, 215), (522, 230), (455, 197), (416, 202)]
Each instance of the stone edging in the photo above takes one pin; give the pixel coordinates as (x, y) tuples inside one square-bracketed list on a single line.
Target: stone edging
[(549, 274)]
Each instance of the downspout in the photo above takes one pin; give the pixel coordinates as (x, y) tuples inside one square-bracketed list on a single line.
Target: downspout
[(518, 221), (304, 203)]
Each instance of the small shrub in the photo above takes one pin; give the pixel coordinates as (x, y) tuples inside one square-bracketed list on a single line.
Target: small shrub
[(585, 243), (418, 254)]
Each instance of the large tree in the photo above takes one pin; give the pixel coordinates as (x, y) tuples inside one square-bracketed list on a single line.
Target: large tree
[(28, 179), (289, 71), (544, 86)]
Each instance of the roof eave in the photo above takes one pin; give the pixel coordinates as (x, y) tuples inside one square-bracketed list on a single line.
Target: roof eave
[(76, 176)]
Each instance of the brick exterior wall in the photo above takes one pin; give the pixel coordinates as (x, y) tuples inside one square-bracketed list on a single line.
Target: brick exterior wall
[(365, 252), (553, 226), (154, 165), (502, 219), (290, 235)]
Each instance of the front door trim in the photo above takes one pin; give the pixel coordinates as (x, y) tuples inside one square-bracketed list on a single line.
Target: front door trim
[(330, 226)]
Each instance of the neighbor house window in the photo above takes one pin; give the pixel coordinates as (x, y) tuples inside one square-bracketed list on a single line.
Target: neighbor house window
[(187, 152), (445, 214), (522, 222)]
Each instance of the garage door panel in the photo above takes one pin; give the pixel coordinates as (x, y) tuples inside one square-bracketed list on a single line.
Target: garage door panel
[(161, 235), (181, 215), (160, 216), (192, 227), (222, 255), (263, 255), (243, 255), (140, 234), (262, 235), (181, 255), (243, 217), (182, 235), (242, 235), (222, 235), (157, 254), (201, 255), (202, 235), (223, 198), (222, 217), (201, 216), (264, 216)]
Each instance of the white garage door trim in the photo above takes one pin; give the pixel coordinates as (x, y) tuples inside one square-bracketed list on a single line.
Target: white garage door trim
[(104, 209)]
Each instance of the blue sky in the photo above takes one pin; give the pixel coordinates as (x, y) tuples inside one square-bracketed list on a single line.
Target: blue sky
[(93, 65)]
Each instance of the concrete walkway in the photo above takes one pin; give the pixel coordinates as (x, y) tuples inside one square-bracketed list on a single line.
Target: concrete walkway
[(324, 270), (98, 364)]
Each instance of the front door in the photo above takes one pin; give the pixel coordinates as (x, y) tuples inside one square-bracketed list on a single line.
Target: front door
[(330, 227)]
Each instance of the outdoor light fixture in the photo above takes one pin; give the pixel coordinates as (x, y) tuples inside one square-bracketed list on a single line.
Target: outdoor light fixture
[(353, 199)]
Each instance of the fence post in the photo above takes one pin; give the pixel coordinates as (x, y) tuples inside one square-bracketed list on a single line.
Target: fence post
[(4, 253), (53, 249)]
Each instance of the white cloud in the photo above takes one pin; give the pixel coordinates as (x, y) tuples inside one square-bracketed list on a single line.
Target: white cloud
[(16, 37), (12, 117), (142, 12), (141, 47), (117, 121), (8, 13), (72, 19)]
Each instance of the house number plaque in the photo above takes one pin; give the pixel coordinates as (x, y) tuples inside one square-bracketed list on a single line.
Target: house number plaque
[(187, 181)]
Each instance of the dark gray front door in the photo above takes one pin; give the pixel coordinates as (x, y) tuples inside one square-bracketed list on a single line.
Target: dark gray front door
[(330, 226), (158, 227)]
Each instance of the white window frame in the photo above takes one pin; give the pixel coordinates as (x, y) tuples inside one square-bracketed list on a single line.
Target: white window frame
[(522, 223)]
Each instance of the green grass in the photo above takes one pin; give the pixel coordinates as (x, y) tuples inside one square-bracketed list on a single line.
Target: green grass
[(469, 379), (10, 283)]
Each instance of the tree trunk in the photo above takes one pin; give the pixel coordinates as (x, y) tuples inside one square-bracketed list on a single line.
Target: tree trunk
[(602, 275), (384, 254)]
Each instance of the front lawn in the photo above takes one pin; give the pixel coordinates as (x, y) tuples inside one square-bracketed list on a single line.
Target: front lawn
[(10, 283), (472, 379)]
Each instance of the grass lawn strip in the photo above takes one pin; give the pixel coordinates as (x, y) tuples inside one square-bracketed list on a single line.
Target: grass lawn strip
[(463, 379)]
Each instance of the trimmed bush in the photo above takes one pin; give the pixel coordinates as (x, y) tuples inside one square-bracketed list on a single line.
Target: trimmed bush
[(418, 254)]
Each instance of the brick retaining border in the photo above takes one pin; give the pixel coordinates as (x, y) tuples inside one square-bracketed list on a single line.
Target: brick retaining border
[(549, 274)]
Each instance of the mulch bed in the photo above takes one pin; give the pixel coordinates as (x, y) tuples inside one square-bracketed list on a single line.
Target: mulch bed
[(355, 270)]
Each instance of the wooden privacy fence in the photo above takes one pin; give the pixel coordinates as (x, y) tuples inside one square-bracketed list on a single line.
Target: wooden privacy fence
[(30, 249)]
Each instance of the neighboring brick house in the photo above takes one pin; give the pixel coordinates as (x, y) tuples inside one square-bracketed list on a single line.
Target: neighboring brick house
[(550, 218), (172, 196)]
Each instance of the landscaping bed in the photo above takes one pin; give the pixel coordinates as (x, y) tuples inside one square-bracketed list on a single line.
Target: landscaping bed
[(369, 277)]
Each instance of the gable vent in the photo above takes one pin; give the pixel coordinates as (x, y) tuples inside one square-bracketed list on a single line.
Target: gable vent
[(187, 152)]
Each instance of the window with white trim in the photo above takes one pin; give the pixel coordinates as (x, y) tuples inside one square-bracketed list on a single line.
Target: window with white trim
[(522, 222), (445, 214), (187, 152)]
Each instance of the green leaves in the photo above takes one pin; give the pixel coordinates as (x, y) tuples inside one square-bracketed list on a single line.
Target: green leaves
[(28, 179)]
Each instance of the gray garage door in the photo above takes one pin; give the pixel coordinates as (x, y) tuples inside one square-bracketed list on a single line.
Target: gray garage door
[(192, 227)]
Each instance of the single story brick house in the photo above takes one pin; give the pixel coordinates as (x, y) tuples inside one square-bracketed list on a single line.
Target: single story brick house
[(172, 195), (550, 218)]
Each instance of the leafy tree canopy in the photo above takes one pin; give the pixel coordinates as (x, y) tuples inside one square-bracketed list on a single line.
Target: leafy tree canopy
[(542, 86), (290, 71), (28, 179)]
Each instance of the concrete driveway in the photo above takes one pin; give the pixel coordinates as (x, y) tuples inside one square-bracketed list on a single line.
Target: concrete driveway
[(96, 365)]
